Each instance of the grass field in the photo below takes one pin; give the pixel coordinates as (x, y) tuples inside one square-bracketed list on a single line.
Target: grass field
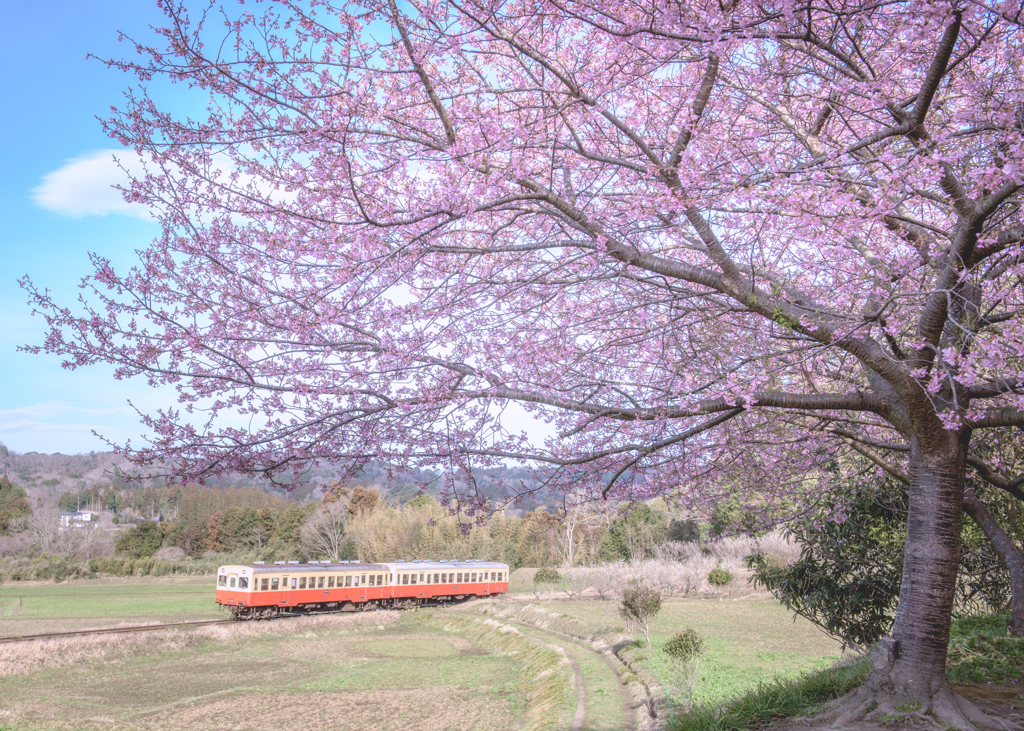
[(748, 641), (360, 671), (45, 607), (338, 671)]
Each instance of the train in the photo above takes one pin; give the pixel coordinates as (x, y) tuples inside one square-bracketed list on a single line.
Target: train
[(265, 591)]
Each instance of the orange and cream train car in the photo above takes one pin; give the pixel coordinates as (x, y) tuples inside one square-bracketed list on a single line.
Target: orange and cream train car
[(263, 591)]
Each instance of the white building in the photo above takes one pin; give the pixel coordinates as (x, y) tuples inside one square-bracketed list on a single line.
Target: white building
[(78, 519)]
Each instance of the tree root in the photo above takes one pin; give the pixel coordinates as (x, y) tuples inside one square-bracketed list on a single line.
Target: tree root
[(943, 710)]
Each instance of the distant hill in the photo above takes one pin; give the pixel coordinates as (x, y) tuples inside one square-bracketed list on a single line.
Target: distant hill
[(48, 476)]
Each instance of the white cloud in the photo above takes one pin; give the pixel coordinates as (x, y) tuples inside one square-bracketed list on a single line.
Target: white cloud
[(84, 186), (58, 427)]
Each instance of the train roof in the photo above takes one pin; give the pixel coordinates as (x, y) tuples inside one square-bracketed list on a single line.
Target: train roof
[(356, 566)]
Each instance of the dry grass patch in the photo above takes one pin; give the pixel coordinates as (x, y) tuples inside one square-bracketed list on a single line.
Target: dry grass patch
[(30, 656)]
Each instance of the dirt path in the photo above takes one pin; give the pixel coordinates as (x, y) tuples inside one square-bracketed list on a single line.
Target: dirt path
[(603, 702)]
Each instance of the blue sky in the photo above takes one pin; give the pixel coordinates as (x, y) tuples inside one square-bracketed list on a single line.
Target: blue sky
[(56, 207)]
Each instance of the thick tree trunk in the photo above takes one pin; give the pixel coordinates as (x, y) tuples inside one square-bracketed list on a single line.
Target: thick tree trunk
[(1008, 552), (910, 666)]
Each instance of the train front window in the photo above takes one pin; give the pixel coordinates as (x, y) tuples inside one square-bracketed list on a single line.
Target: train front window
[(232, 582), (222, 581), (243, 583)]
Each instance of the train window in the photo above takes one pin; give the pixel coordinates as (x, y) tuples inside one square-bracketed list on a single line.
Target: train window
[(232, 584), (222, 580), (293, 582), (364, 579), (436, 577), (372, 577), (355, 581), (413, 579), (320, 583), (243, 583), (474, 577), (330, 582), (424, 580), (405, 578), (275, 584)]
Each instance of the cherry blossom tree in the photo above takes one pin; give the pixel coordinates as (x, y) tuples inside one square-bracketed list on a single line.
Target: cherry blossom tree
[(695, 240)]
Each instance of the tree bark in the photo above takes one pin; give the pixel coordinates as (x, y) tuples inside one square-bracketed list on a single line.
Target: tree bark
[(1008, 552), (909, 673)]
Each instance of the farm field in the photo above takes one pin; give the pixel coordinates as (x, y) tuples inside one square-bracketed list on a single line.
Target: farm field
[(381, 670), (35, 608), (363, 671)]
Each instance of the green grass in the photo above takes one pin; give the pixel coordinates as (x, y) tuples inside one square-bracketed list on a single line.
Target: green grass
[(749, 642), (40, 608), (772, 700), (981, 652)]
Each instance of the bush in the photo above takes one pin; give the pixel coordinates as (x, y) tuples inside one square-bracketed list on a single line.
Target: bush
[(685, 649), (546, 577), (640, 605), (719, 578)]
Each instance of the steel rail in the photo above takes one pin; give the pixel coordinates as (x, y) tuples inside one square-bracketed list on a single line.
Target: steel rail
[(116, 630), (202, 623)]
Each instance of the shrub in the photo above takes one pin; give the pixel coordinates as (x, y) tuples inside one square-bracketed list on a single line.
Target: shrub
[(719, 578), (546, 577), (640, 605), (685, 649)]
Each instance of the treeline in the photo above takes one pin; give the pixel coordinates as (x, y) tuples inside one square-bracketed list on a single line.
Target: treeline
[(105, 481), (14, 505), (353, 523)]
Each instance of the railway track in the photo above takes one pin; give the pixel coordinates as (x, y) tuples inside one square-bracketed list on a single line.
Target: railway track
[(116, 630), (173, 625)]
